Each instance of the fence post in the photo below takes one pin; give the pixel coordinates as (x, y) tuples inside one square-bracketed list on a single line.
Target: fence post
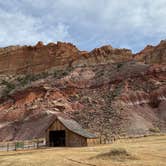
[(34, 144), (100, 140), (23, 144), (15, 146), (37, 143), (7, 147)]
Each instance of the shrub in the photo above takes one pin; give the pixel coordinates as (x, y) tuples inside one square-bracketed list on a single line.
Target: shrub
[(19, 145), (9, 87), (61, 73), (42, 75), (119, 65), (154, 130), (26, 79), (31, 77), (119, 154)]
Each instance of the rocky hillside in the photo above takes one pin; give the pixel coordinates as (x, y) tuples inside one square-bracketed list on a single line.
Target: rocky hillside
[(108, 91)]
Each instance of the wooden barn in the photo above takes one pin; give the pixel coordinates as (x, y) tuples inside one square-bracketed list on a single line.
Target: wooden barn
[(67, 132)]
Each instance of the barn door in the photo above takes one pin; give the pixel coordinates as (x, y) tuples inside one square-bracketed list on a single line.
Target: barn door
[(57, 138)]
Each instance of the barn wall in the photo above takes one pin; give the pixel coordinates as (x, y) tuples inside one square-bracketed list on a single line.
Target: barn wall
[(72, 139), (93, 141), (76, 140)]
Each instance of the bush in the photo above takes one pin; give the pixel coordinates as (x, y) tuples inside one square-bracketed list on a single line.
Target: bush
[(26, 79), (9, 87), (31, 77), (61, 73), (119, 154), (42, 75), (154, 130), (119, 65), (19, 145)]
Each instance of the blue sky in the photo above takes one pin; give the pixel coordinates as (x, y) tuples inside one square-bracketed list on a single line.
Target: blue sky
[(86, 23)]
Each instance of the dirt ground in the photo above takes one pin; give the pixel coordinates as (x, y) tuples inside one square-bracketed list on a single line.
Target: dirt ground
[(147, 151)]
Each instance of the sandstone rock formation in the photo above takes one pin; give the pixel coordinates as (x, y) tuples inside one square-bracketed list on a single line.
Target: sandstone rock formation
[(33, 59), (108, 91), (153, 54), (38, 58)]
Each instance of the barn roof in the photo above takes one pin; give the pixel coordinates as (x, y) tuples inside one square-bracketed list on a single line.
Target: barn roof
[(75, 127)]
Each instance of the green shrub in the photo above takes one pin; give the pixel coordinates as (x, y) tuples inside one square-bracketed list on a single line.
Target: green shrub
[(119, 65), (19, 144), (42, 75), (154, 130), (31, 77), (61, 73), (26, 79), (9, 87)]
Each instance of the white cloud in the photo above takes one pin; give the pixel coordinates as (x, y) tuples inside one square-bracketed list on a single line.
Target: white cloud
[(17, 28), (87, 23)]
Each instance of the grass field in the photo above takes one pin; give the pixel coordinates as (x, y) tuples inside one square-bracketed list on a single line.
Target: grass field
[(148, 151)]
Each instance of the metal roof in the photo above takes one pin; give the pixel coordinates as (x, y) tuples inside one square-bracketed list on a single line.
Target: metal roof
[(75, 127)]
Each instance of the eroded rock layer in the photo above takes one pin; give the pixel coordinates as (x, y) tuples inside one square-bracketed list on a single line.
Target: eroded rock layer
[(108, 91), (38, 58)]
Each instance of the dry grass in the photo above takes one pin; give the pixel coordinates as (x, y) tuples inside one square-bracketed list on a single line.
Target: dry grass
[(149, 151), (117, 154)]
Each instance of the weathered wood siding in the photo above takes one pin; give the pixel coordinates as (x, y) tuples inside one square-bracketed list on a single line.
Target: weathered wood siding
[(93, 141), (72, 139)]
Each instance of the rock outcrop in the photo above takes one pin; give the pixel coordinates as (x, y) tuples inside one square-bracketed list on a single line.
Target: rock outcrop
[(39, 58), (103, 55), (153, 54), (108, 91), (34, 59)]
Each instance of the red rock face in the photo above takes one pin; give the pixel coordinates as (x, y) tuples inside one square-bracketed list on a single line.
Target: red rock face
[(103, 55), (153, 54), (108, 91), (34, 59)]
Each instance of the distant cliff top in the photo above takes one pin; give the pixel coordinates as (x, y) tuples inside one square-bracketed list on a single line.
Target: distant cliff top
[(38, 58)]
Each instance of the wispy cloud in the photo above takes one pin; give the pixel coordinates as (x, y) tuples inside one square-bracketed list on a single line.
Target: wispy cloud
[(86, 23)]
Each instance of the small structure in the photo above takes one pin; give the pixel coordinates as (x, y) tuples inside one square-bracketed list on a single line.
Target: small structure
[(55, 129), (67, 132)]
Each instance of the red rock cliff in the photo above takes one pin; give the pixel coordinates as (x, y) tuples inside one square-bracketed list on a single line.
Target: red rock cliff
[(153, 54), (37, 58), (33, 59)]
